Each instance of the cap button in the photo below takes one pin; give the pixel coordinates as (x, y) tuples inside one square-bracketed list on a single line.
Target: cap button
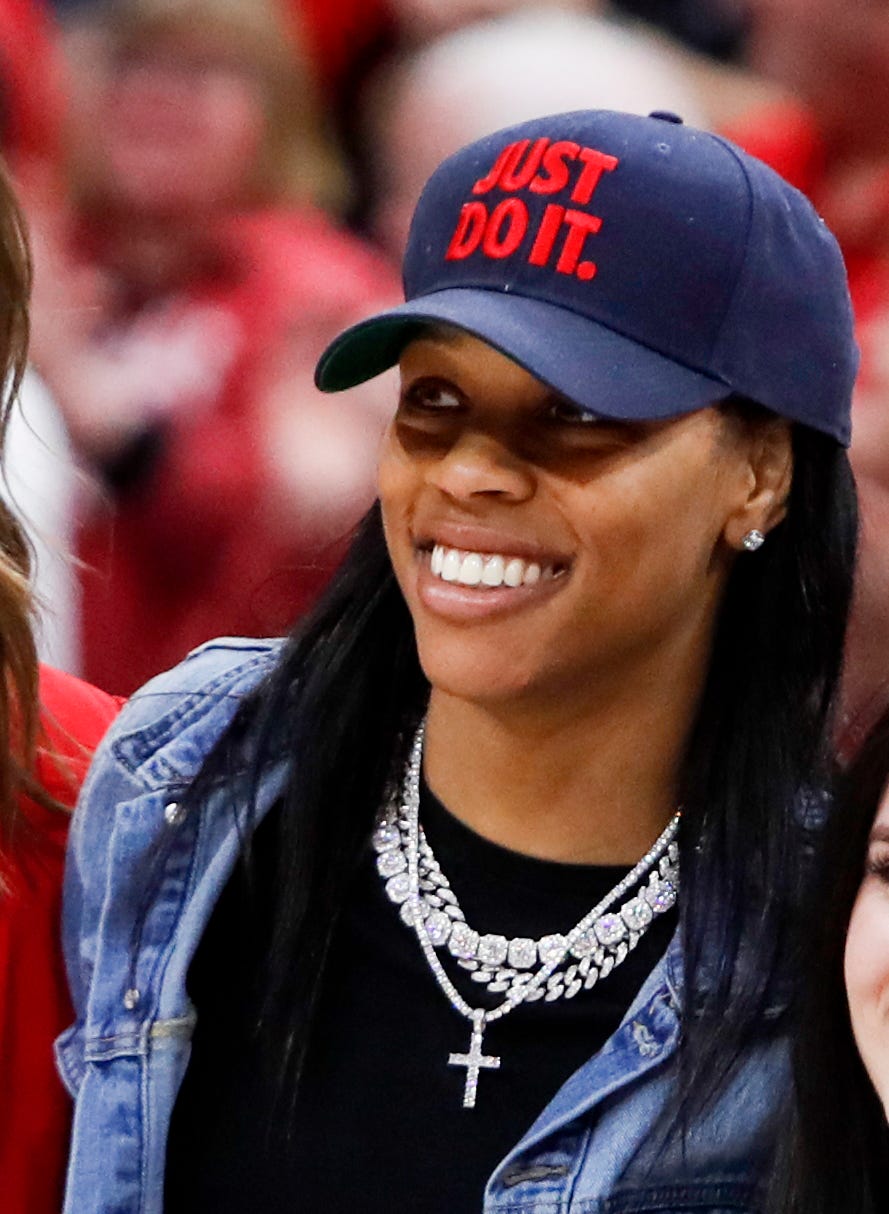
[(666, 116)]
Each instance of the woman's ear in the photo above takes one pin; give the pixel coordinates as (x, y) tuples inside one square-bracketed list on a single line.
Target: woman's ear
[(770, 471)]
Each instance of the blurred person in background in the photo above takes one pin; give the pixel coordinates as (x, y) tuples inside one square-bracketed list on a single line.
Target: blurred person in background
[(178, 313), (524, 61), (830, 137), (49, 725)]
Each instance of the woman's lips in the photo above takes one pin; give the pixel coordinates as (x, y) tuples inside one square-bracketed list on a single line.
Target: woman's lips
[(466, 585)]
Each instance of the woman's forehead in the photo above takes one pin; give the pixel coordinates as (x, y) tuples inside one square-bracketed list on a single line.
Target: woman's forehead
[(441, 333)]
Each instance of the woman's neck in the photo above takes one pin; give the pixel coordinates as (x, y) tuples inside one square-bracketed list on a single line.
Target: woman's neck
[(593, 786)]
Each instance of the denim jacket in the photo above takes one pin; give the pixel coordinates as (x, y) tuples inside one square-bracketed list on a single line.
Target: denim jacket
[(143, 876)]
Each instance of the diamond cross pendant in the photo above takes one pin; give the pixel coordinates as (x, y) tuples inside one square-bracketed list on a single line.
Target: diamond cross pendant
[(474, 1060)]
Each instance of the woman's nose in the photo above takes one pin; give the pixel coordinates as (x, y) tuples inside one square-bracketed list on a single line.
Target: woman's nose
[(480, 464)]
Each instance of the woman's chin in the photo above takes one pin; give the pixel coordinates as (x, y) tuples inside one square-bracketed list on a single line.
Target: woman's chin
[(480, 675)]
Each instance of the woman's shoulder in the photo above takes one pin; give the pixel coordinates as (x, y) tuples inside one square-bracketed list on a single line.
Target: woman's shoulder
[(155, 747), (167, 727), (224, 668)]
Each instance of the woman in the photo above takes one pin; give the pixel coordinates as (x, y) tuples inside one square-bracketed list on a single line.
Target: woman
[(49, 725), (837, 1155), (316, 932)]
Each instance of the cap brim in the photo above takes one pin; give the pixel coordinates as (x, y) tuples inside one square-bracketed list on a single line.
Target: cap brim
[(590, 364)]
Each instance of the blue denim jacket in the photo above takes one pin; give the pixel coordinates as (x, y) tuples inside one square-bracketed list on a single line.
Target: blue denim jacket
[(143, 877)]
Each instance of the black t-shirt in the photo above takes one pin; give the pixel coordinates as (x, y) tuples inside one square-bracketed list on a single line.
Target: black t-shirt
[(378, 1124)]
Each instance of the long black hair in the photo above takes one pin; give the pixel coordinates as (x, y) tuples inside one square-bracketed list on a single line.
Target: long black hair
[(836, 1155), (348, 689)]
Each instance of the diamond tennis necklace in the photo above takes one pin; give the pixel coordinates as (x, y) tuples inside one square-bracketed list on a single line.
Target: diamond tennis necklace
[(565, 964)]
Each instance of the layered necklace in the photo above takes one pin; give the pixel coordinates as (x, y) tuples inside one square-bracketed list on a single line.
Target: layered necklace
[(521, 969)]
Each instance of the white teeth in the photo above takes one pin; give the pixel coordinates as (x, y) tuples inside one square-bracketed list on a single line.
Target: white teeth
[(471, 569), (493, 571), (450, 568), (482, 569), (514, 572)]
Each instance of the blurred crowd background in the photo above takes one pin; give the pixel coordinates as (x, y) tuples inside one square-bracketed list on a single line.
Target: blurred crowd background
[(216, 187)]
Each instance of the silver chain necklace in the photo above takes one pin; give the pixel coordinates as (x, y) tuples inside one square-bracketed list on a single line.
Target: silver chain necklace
[(591, 950)]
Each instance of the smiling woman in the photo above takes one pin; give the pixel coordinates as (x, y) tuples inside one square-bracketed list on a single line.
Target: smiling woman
[(485, 466), (486, 881)]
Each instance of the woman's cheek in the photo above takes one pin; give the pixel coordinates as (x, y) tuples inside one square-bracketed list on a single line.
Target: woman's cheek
[(867, 981)]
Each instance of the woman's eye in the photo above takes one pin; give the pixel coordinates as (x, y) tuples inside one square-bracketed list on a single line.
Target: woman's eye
[(566, 412), (430, 397)]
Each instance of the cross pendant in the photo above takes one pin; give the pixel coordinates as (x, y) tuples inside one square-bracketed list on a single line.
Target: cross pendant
[(474, 1060)]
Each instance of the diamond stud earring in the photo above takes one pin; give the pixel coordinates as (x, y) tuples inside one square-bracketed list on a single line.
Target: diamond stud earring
[(752, 540)]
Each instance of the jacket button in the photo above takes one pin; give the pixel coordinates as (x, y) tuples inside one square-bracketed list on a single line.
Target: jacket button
[(131, 998), (174, 813)]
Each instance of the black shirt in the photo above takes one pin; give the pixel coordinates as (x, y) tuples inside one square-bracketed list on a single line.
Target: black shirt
[(378, 1125)]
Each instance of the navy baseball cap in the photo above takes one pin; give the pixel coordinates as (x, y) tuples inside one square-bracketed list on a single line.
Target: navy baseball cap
[(639, 267)]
